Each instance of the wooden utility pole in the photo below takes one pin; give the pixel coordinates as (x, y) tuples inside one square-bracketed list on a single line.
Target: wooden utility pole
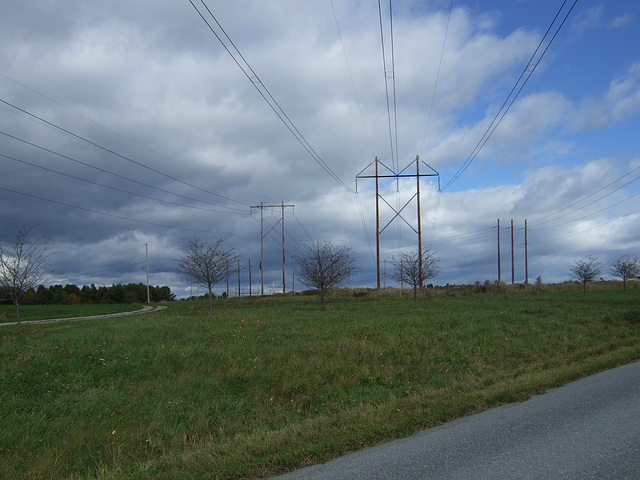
[(526, 254), (146, 254), (249, 277), (513, 270), (499, 269), (377, 226), (284, 290), (239, 278), (398, 213), (263, 234), (420, 275)]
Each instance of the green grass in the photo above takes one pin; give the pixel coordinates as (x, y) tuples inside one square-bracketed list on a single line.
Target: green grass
[(43, 312), (266, 385)]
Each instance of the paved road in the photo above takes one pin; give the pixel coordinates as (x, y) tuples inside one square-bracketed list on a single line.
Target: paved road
[(145, 309), (589, 429)]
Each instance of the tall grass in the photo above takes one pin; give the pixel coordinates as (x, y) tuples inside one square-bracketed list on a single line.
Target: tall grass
[(265, 385)]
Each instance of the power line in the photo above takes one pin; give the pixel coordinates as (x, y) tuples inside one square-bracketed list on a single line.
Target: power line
[(435, 87), (538, 220), (113, 215), (392, 128), (504, 109), (105, 127), (80, 162), (24, 162), (353, 85), (108, 150), (251, 75)]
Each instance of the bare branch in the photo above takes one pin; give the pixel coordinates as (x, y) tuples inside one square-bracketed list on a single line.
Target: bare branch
[(324, 265), (23, 266), (205, 263)]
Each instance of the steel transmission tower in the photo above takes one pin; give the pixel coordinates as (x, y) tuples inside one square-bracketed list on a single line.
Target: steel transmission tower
[(390, 173)]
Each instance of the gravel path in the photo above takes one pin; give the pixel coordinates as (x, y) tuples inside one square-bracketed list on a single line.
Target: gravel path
[(145, 309)]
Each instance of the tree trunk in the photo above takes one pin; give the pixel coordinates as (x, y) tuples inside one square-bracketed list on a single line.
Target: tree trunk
[(210, 302), (18, 316), (322, 299)]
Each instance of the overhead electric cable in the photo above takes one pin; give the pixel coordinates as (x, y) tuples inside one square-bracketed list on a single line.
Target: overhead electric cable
[(503, 111), (253, 77), (113, 215), (435, 87), (80, 162), (538, 220), (591, 214), (390, 117), (109, 129), (108, 150), (353, 85), (24, 162)]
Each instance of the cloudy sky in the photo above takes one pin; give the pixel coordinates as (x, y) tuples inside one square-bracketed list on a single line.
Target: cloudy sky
[(133, 123)]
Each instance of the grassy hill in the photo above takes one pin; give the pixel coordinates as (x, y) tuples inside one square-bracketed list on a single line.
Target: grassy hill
[(265, 385)]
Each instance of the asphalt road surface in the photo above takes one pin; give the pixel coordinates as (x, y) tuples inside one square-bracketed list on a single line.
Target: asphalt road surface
[(589, 429)]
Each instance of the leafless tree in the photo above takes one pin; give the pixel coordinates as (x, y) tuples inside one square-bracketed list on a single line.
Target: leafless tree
[(205, 263), (323, 265), (625, 267), (23, 265), (407, 268), (585, 271)]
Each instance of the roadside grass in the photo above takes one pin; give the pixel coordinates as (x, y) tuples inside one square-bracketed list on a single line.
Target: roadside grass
[(44, 312), (266, 385)]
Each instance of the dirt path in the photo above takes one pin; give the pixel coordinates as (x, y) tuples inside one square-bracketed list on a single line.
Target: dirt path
[(145, 309)]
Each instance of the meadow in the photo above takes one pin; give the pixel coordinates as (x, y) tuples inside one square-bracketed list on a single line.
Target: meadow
[(269, 384)]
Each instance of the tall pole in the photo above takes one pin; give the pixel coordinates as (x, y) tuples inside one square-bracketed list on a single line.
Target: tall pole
[(261, 250), (526, 254), (419, 220), (146, 254), (513, 270), (283, 277), (239, 277), (377, 226), (249, 277), (499, 277)]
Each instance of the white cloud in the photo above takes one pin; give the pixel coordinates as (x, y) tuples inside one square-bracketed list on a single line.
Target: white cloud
[(618, 104)]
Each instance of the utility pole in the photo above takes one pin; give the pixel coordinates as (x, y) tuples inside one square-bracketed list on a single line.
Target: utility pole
[(513, 271), (499, 277), (526, 255), (249, 277), (239, 278), (263, 234), (146, 254), (398, 213)]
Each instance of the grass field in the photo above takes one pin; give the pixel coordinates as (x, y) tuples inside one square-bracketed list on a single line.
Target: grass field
[(267, 385)]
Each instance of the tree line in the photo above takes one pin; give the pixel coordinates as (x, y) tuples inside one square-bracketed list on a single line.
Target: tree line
[(90, 294)]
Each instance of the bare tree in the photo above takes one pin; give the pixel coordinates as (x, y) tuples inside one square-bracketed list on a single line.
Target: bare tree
[(205, 264), (585, 271), (23, 265), (324, 265), (625, 267), (407, 268)]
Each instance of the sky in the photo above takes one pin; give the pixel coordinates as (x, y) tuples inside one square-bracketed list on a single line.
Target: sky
[(129, 127)]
